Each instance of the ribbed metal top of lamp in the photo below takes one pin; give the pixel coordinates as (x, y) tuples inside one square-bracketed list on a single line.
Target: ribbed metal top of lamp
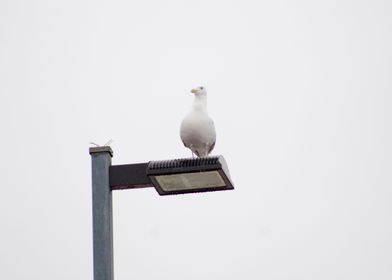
[(183, 162)]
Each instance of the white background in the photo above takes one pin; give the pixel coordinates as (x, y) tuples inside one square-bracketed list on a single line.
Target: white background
[(301, 95)]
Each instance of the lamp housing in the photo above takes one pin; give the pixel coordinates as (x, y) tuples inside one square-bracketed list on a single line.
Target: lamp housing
[(190, 175)]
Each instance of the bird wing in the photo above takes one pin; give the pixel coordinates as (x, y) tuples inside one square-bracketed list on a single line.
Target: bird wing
[(211, 147)]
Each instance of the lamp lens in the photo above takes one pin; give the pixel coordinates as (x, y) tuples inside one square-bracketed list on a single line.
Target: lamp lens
[(188, 181)]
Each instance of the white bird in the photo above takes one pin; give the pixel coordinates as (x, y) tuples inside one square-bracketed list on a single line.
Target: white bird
[(197, 128)]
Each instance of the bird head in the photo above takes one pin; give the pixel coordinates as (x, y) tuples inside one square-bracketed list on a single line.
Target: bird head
[(199, 91)]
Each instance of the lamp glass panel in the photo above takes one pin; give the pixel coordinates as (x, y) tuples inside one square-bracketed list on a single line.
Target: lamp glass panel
[(187, 181)]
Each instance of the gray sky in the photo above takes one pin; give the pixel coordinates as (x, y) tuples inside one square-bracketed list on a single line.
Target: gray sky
[(301, 95)]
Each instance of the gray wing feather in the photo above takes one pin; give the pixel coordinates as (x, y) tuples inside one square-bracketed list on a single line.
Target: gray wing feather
[(211, 147)]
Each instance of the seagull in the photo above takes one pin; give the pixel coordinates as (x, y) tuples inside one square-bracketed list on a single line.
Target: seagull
[(197, 129)]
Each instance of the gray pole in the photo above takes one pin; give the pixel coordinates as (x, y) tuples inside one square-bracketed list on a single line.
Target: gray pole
[(101, 159)]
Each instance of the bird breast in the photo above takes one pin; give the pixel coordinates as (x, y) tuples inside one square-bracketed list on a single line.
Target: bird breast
[(197, 130)]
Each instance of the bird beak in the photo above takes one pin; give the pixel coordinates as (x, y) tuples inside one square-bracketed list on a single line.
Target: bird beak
[(194, 90)]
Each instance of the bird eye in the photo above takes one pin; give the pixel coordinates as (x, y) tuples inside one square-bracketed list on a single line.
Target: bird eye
[(201, 88)]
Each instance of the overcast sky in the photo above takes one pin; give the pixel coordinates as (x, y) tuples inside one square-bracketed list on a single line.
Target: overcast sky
[(301, 96)]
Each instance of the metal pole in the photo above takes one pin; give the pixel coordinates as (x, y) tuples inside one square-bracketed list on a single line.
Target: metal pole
[(101, 159)]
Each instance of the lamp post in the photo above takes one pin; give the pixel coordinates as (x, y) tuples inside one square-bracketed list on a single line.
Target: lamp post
[(177, 176), (101, 160)]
